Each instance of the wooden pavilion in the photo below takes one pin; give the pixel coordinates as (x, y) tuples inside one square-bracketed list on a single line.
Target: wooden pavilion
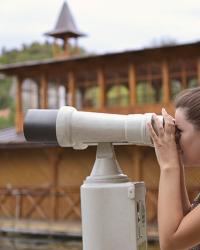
[(41, 182)]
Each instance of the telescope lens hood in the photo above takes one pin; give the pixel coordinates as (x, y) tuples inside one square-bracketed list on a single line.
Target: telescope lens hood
[(40, 126)]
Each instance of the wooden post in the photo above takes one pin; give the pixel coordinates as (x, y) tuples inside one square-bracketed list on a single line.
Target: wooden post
[(19, 108), (183, 77), (166, 82), (43, 92), (136, 158), (71, 89), (132, 85), (55, 48), (38, 95), (18, 208), (54, 157), (137, 163), (66, 46), (198, 71), (57, 94), (32, 93), (102, 88)]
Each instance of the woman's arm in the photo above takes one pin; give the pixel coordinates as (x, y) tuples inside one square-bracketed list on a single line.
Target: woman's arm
[(175, 230), (170, 209), (184, 194)]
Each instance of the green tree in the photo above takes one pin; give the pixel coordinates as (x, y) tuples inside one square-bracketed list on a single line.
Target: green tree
[(34, 51)]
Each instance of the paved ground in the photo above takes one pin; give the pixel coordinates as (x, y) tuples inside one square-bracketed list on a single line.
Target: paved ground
[(67, 228), (32, 243), (33, 227), (38, 235)]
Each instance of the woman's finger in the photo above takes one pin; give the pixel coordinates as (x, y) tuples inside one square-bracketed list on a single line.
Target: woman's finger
[(158, 125), (152, 133), (169, 122)]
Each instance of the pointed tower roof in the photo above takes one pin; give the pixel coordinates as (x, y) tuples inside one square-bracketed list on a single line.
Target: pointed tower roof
[(65, 26)]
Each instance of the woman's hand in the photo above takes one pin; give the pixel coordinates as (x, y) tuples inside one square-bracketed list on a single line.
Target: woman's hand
[(164, 141)]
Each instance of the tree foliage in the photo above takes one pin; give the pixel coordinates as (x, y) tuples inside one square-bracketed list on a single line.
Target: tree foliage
[(34, 51)]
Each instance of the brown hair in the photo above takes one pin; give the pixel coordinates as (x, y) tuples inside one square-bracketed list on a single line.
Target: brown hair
[(189, 100)]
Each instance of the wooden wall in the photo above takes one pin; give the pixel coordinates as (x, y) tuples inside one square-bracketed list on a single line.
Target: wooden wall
[(44, 183)]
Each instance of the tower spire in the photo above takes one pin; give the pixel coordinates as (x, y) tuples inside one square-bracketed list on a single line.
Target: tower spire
[(65, 28)]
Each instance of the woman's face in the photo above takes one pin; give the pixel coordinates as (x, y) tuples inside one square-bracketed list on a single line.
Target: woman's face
[(189, 139)]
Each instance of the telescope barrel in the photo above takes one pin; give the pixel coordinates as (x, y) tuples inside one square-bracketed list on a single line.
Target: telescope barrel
[(78, 129)]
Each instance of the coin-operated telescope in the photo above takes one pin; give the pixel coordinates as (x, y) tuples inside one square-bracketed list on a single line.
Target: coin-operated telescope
[(113, 207)]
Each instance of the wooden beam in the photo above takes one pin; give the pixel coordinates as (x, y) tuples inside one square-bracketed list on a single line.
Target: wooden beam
[(165, 82), (36, 206), (102, 87), (4, 209), (43, 92), (71, 89), (19, 108), (132, 85), (74, 206)]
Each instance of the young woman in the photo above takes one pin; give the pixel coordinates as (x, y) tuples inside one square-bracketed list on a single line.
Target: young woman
[(177, 145)]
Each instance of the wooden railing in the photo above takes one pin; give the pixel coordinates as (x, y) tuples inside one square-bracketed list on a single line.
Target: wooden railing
[(60, 205), (40, 203)]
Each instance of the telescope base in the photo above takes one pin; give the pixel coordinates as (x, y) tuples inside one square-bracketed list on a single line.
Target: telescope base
[(113, 216)]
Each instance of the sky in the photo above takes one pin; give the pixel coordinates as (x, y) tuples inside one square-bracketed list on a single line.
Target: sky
[(110, 25)]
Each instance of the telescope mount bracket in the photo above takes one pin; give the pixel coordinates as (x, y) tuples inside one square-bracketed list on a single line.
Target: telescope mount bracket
[(106, 168)]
